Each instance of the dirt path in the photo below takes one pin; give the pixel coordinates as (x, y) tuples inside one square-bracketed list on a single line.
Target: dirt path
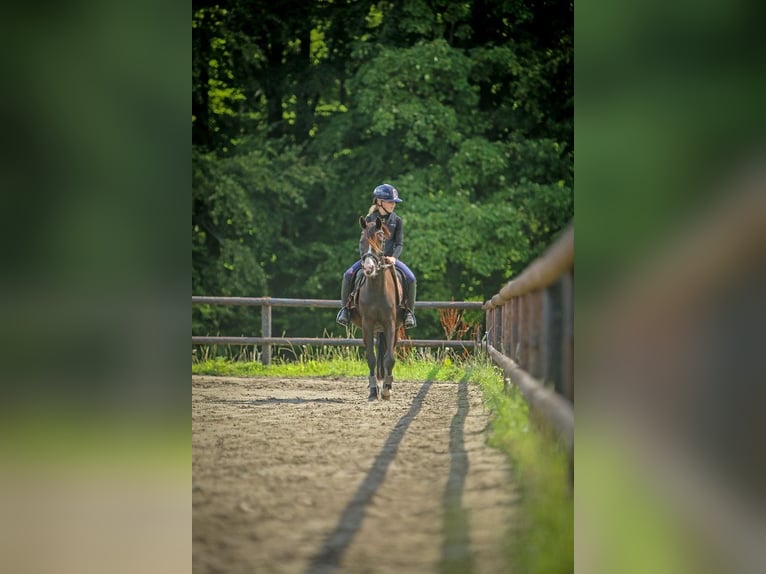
[(305, 476)]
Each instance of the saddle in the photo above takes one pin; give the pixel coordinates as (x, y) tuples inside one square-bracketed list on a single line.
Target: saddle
[(359, 280)]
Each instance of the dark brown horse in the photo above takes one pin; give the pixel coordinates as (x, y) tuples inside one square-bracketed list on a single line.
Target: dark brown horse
[(378, 308)]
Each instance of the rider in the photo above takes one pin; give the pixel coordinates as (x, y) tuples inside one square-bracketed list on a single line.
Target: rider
[(384, 200)]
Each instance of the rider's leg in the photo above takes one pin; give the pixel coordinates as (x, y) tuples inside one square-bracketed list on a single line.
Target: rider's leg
[(409, 313), (409, 300), (344, 316)]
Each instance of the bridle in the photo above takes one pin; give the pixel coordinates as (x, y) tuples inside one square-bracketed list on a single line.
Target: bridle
[(377, 261)]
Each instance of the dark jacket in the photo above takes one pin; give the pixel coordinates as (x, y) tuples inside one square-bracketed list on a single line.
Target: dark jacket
[(395, 243)]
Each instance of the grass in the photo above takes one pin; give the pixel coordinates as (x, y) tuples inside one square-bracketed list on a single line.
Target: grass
[(647, 534), (542, 542), (77, 440), (310, 361)]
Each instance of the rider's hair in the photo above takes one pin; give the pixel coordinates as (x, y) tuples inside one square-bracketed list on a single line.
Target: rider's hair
[(373, 207)]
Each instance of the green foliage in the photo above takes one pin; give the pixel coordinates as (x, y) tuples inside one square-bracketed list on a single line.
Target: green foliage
[(300, 110), (241, 221), (419, 95)]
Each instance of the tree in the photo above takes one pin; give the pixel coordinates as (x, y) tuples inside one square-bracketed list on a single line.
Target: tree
[(300, 109)]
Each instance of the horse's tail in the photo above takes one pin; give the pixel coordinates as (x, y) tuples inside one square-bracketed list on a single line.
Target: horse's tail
[(381, 371)]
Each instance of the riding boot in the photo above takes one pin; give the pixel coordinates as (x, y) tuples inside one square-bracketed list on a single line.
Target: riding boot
[(409, 311), (344, 316)]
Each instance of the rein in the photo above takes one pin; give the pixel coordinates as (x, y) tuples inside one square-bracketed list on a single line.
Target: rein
[(378, 261)]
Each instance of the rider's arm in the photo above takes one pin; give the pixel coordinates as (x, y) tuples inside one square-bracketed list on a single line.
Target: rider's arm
[(398, 238)]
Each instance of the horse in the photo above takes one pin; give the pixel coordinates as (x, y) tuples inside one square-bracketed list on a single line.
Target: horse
[(377, 310)]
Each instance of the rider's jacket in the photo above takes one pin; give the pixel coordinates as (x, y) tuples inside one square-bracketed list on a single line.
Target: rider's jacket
[(395, 243)]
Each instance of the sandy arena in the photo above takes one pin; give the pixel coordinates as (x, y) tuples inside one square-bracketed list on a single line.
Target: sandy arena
[(307, 476)]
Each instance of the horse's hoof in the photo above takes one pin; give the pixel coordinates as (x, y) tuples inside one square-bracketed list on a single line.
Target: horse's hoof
[(373, 395), (385, 394)]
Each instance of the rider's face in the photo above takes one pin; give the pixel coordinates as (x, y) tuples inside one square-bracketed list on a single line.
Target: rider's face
[(388, 205)]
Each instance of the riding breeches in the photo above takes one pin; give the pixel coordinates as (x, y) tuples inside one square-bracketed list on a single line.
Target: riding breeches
[(408, 274)]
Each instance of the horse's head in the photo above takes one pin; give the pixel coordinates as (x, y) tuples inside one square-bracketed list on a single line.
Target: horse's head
[(374, 235)]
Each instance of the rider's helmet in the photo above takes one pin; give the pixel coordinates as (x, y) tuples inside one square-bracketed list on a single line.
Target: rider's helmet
[(386, 192)]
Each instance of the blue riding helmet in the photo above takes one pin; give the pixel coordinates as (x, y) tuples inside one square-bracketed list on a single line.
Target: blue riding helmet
[(386, 192)]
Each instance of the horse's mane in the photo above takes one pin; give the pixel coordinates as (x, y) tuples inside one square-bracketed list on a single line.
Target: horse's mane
[(370, 233)]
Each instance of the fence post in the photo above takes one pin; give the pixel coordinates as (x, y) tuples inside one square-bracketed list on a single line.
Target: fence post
[(567, 340), (507, 343), (498, 324), (553, 369), (523, 344), (266, 331), (535, 333), (516, 335)]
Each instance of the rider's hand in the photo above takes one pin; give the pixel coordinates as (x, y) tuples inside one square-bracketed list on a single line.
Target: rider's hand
[(391, 260)]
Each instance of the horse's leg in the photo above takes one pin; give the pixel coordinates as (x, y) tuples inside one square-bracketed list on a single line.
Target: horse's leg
[(381, 353), (369, 344), (388, 362)]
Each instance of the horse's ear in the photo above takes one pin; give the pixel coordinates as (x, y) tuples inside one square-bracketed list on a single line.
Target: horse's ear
[(362, 222), (378, 222)]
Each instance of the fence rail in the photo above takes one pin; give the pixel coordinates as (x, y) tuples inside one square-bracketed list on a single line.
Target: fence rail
[(266, 340), (530, 335), (329, 303)]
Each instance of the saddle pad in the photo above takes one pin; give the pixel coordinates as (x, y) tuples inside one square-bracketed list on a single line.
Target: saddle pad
[(359, 279)]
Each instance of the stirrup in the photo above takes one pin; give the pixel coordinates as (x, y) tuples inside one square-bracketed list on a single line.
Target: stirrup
[(409, 320), (343, 317)]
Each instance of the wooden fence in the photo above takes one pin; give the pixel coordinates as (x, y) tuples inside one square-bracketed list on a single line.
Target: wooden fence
[(530, 335), (266, 340)]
